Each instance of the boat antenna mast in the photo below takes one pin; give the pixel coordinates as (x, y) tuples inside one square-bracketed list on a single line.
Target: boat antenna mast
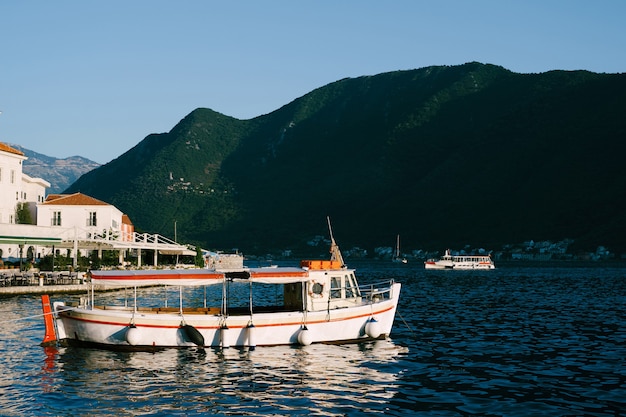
[(335, 253)]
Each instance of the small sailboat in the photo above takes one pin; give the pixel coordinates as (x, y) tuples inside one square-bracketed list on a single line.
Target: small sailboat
[(397, 257)]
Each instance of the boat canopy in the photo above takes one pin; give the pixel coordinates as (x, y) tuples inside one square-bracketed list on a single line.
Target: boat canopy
[(199, 277), (278, 275), (147, 277)]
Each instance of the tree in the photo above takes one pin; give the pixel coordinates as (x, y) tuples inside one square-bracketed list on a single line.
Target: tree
[(22, 214), (199, 258)]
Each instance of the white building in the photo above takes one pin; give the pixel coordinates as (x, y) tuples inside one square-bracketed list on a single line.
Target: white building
[(17, 187), (63, 221), (88, 216), (54, 219), (17, 190)]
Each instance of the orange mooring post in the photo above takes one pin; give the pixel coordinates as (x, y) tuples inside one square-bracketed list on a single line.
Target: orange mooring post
[(51, 335)]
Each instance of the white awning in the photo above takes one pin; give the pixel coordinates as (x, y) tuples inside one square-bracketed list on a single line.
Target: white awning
[(177, 252)]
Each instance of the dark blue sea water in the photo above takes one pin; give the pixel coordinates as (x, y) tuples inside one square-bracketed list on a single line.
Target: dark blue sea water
[(518, 341)]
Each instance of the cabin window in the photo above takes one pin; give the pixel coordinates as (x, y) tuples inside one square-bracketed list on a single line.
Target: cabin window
[(349, 288), (56, 218), (292, 296), (335, 287), (352, 290)]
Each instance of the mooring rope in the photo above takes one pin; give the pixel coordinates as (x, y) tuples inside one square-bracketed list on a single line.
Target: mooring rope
[(405, 323), (29, 317)]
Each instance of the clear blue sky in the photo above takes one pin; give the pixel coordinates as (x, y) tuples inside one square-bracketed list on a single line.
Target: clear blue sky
[(93, 78)]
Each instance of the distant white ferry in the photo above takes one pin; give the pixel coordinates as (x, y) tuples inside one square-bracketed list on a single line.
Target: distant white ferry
[(448, 261)]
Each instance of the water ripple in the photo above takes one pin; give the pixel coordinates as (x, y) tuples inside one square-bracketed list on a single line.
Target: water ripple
[(514, 341)]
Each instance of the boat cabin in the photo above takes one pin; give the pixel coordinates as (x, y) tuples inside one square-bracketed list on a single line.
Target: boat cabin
[(330, 286), (316, 286)]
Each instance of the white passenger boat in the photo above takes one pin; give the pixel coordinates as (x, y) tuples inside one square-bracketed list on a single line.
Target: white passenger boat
[(320, 301), (448, 261)]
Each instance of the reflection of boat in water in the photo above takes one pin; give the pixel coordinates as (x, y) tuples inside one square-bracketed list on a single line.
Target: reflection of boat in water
[(448, 261), (273, 378), (275, 358), (397, 257), (320, 301)]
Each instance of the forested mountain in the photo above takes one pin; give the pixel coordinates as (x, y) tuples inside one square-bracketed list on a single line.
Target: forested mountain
[(446, 156)]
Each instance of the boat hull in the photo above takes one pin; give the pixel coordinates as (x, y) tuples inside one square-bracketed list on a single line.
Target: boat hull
[(124, 328)]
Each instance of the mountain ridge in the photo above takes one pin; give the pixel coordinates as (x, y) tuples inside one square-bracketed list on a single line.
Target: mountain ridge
[(469, 154), (59, 172)]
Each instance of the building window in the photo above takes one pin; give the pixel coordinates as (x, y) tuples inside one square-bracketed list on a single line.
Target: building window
[(12, 177), (56, 218), (91, 221)]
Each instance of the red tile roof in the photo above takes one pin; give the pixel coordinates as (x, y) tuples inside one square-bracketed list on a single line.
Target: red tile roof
[(6, 148), (76, 199)]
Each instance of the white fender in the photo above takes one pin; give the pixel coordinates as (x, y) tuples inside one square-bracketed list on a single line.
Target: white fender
[(250, 333), (133, 335), (372, 328), (223, 336), (304, 336)]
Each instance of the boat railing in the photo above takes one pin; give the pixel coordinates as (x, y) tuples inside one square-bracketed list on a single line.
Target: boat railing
[(377, 291)]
